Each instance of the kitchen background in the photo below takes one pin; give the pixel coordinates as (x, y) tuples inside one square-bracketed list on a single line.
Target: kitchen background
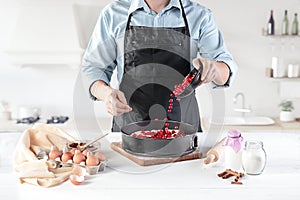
[(56, 32)]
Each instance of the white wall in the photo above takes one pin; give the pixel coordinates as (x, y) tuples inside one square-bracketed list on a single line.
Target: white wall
[(240, 22), (49, 87)]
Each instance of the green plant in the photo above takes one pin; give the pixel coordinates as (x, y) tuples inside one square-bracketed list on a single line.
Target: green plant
[(286, 106)]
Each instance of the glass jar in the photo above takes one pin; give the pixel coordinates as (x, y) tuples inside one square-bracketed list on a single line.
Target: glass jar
[(254, 157)]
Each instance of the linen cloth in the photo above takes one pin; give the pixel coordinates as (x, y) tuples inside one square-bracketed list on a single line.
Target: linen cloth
[(30, 168)]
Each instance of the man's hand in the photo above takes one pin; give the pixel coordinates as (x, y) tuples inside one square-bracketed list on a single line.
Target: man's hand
[(218, 72), (115, 100), (116, 103)]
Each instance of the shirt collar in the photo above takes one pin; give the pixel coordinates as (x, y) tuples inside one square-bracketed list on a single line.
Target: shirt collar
[(135, 5), (173, 3), (138, 4)]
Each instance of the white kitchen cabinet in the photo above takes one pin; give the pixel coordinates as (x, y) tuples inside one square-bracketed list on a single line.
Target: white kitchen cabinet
[(52, 34)]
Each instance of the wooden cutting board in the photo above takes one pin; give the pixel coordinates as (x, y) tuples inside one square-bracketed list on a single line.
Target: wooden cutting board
[(147, 161)]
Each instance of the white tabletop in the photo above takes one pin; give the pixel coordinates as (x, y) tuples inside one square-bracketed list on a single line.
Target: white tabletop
[(183, 180)]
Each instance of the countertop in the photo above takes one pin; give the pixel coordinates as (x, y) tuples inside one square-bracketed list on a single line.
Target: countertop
[(71, 125), (277, 126), (105, 125), (183, 180)]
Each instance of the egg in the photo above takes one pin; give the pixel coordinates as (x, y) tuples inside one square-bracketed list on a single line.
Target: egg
[(73, 150), (92, 160), (77, 175), (66, 156), (78, 170), (78, 157), (100, 156), (76, 180), (54, 153)]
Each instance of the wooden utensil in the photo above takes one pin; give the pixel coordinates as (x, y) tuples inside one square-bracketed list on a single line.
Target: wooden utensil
[(92, 142)]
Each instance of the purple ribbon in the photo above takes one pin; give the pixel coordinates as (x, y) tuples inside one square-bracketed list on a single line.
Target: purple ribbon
[(234, 139)]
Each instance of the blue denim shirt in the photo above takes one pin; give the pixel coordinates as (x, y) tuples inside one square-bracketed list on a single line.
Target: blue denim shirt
[(106, 46)]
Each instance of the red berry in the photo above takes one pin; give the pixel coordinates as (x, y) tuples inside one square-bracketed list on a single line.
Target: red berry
[(141, 136)]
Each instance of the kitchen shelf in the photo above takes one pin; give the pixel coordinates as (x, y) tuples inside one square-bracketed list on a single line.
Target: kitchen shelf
[(284, 79), (281, 36)]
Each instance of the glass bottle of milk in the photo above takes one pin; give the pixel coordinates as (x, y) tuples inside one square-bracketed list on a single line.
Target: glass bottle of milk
[(233, 150)]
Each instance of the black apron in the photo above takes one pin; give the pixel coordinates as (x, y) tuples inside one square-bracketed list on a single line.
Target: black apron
[(155, 59)]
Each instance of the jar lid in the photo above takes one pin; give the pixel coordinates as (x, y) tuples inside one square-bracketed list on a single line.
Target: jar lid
[(234, 140), (253, 144)]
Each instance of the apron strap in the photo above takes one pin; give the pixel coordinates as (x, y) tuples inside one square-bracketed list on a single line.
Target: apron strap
[(185, 19), (128, 22)]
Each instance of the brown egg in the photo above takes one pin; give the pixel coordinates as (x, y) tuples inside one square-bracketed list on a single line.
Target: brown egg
[(73, 150), (79, 171), (92, 160), (101, 156), (78, 157), (54, 153), (76, 180), (66, 156)]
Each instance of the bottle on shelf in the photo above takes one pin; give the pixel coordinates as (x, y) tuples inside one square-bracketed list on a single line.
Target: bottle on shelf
[(295, 26), (285, 24), (271, 24)]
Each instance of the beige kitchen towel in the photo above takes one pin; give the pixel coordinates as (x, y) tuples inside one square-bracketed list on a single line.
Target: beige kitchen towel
[(30, 168)]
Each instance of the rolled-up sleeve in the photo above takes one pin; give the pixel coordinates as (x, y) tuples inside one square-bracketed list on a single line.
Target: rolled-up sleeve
[(99, 59), (212, 46)]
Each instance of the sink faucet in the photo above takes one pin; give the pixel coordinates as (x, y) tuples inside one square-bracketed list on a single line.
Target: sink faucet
[(243, 109)]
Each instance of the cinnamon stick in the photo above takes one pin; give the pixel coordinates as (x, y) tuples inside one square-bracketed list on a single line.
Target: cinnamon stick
[(229, 173), (236, 183), (234, 173)]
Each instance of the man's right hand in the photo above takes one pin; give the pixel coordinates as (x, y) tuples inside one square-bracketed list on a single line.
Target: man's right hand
[(116, 103), (115, 100)]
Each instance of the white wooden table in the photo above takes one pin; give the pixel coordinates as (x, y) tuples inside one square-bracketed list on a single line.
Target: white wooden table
[(124, 179)]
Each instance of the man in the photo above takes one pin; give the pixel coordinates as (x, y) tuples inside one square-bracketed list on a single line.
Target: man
[(152, 44)]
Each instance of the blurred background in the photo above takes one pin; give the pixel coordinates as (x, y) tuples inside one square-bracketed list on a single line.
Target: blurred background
[(42, 42)]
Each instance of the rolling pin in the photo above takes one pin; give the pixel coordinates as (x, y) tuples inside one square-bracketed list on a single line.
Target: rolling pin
[(213, 155)]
